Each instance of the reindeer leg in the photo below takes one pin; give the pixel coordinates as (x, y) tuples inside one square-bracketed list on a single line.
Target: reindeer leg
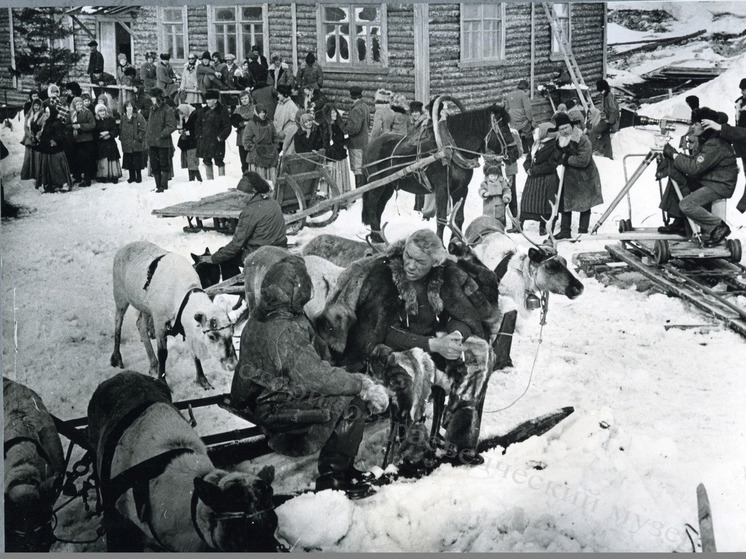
[(162, 356), (201, 378), (504, 341), (116, 356), (142, 325)]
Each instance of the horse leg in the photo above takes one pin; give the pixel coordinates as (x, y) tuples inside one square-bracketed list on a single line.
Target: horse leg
[(441, 211), (376, 204), (143, 321), (116, 356)]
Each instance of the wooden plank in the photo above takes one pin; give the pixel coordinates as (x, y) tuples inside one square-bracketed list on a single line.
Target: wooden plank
[(706, 531), (224, 204), (697, 299)]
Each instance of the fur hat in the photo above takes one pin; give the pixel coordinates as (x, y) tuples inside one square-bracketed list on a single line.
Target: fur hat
[(212, 94), (382, 96), (356, 92), (704, 113), (156, 92), (122, 56), (259, 108), (310, 58), (523, 84), (560, 119), (253, 182), (491, 169), (165, 56), (206, 55), (692, 101), (398, 100), (101, 106), (285, 90), (576, 115), (75, 100), (742, 84)]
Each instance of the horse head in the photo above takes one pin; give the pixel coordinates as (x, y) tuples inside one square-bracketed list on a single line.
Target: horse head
[(237, 512)]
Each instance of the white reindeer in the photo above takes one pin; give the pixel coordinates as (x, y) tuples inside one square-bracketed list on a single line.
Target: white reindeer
[(165, 289)]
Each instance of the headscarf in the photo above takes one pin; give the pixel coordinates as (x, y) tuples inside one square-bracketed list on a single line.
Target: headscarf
[(286, 287), (101, 106), (185, 110)]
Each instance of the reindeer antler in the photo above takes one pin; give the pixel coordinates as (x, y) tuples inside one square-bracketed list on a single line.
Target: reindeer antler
[(550, 223), (517, 225), (455, 228)]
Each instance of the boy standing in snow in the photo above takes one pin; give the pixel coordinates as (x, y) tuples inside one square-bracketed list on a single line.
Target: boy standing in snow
[(495, 193)]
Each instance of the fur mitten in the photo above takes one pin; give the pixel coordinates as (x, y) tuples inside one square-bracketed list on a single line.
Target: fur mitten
[(375, 395)]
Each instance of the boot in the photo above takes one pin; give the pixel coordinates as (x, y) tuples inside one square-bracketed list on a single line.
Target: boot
[(138, 176), (676, 227), (197, 175), (584, 222), (157, 177), (336, 457), (191, 176), (504, 341), (208, 173), (221, 170), (164, 182), (565, 226), (131, 178)]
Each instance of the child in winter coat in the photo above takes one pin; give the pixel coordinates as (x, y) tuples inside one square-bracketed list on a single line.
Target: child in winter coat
[(495, 193), (132, 137), (108, 168)]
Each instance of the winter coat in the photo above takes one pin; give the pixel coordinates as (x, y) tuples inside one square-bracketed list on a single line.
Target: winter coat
[(283, 379), (383, 118), (212, 129), (334, 142), (260, 141), (189, 83), (165, 78), (148, 76), (261, 223), (241, 115), (161, 124), (121, 77), (356, 125), (311, 77), (609, 115), (304, 142), (284, 119), (258, 69), (281, 75), (714, 166), (389, 312), (495, 196), (189, 141), (208, 78), (95, 63), (519, 109), (87, 123), (400, 122), (132, 133), (53, 131), (581, 188), (106, 148), (542, 183), (30, 129)]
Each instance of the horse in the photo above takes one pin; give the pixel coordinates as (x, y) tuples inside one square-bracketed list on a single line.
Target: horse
[(462, 136)]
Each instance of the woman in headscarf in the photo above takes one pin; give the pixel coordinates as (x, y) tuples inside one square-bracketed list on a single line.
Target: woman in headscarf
[(260, 142), (80, 125), (188, 141), (540, 190), (31, 127), (132, 138), (54, 171), (107, 152)]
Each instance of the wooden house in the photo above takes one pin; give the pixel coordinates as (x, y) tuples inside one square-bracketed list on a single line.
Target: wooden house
[(470, 50)]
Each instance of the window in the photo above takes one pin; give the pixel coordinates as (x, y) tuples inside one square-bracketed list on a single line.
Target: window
[(353, 34), (482, 32), (173, 32), (235, 29), (561, 14)]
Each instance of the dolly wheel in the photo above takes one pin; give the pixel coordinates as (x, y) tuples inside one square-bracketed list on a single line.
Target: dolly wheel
[(734, 247), (625, 225), (662, 252)]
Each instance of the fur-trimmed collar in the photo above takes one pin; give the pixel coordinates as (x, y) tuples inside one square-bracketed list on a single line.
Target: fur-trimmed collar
[(406, 289)]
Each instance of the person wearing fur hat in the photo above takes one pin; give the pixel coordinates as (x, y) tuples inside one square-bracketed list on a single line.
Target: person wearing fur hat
[(161, 124), (261, 223), (80, 127), (581, 185), (260, 143), (495, 192), (284, 120), (542, 181), (165, 77), (147, 71), (710, 175), (212, 130), (608, 123), (107, 153), (285, 383), (310, 76), (408, 297), (132, 137), (207, 76), (383, 116), (356, 126)]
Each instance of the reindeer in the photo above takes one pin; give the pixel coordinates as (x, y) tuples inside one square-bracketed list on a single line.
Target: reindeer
[(159, 488), (34, 467), (166, 291), (342, 251)]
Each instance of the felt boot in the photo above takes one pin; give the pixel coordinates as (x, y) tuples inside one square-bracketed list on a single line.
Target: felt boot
[(209, 173)]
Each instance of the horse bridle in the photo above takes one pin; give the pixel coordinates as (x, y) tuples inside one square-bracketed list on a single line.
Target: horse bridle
[(215, 517)]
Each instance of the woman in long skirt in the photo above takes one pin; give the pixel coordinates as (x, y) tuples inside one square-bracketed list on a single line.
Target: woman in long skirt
[(31, 128), (108, 167), (541, 187), (54, 171), (188, 141), (338, 164), (260, 142)]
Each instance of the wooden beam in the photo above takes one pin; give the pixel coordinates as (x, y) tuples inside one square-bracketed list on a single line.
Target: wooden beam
[(12, 46), (532, 72), (88, 31), (294, 36), (128, 29), (421, 52)]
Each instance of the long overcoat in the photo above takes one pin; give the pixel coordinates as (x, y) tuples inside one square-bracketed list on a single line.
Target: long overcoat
[(212, 129), (132, 133), (581, 188)]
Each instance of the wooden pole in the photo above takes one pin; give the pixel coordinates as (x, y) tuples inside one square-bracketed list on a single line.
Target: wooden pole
[(356, 193), (706, 531)]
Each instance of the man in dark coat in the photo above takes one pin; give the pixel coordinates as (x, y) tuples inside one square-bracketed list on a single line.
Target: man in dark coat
[(406, 297), (148, 71), (261, 223), (716, 172), (161, 124), (735, 135), (95, 62), (356, 125), (212, 130), (286, 384)]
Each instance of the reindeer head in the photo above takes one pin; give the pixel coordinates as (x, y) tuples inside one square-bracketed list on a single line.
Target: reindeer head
[(213, 336), (237, 510)]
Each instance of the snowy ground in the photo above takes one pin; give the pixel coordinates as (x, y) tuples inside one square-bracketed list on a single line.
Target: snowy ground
[(656, 411)]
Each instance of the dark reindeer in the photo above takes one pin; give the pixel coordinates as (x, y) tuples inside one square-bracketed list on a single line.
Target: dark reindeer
[(461, 136)]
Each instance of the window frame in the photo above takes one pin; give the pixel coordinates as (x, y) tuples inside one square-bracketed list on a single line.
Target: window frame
[(356, 66), (556, 55), (473, 62), (162, 35), (238, 22)]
